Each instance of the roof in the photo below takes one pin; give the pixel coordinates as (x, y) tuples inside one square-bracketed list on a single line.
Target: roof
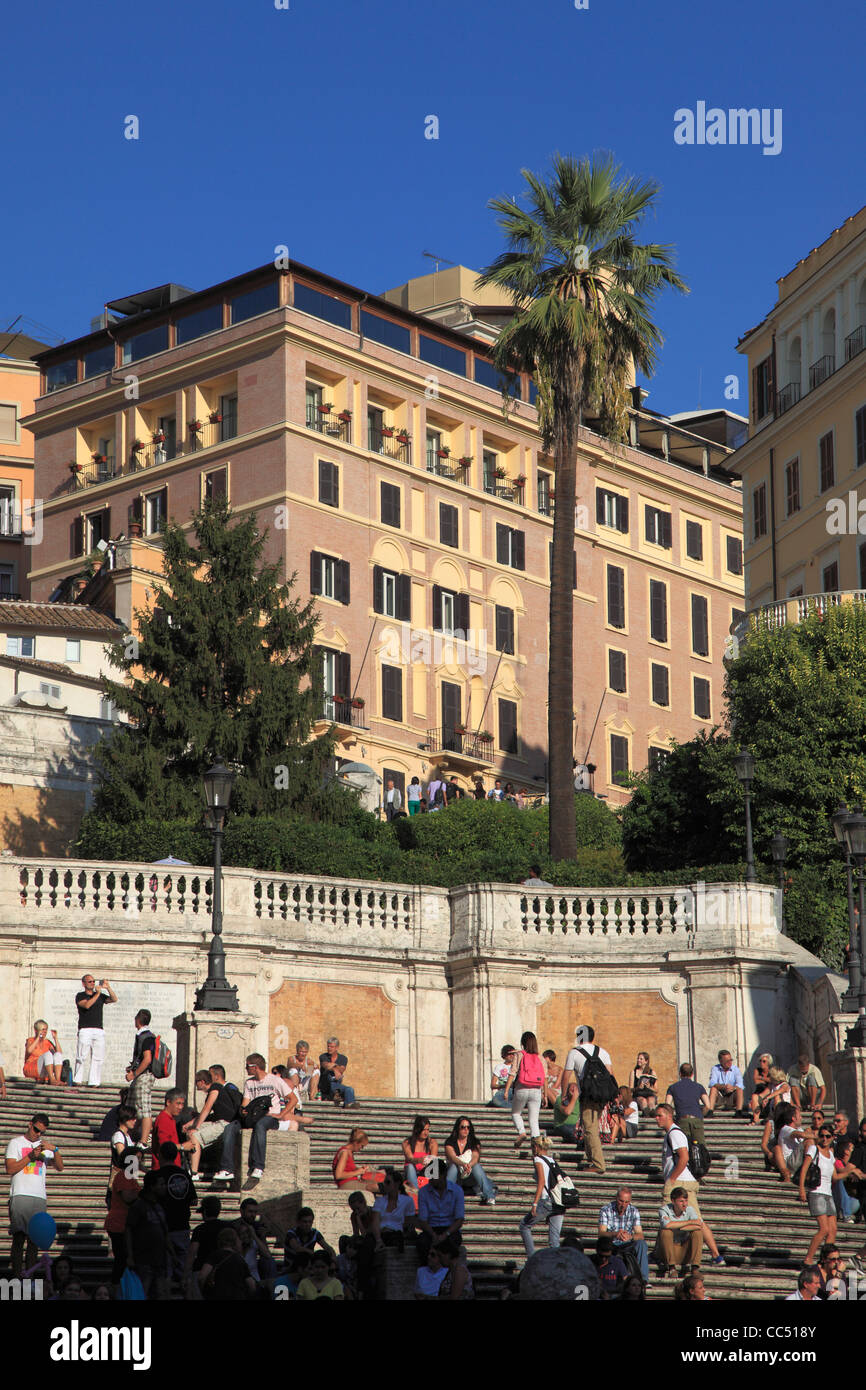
[(32, 663), (69, 616)]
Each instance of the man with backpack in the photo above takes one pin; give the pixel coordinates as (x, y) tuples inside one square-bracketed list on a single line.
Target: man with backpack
[(675, 1158), (141, 1076), (589, 1065)]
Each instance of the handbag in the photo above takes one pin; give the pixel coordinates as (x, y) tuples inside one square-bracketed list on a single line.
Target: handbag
[(255, 1111), (131, 1287), (813, 1175)]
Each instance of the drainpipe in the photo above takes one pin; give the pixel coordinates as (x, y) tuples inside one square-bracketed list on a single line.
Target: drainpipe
[(773, 521)]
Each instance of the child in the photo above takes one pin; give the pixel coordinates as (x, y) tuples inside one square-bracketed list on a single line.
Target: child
[(318, 1282)]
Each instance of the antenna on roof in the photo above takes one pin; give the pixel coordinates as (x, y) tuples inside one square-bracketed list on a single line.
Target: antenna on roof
[(431, 257)]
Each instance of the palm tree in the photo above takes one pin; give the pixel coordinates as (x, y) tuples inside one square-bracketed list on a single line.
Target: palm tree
[(582, 290)]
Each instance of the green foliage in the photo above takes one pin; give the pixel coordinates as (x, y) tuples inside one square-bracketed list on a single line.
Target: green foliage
[(687, 811), (816, 911)]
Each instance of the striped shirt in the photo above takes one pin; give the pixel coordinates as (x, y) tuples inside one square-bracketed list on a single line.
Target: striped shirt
[(614, 1220)]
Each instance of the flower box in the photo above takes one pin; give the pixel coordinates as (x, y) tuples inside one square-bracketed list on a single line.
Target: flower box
[(99, 458), (520, 479), (136, 445), (194, 426), (443, 453), (357, 703), (387, 432), (215, 417), (324, 409), (75, 467), (485, 736), (402, 437), (159, 438), (465, 461), (460, 729), (346, 415)]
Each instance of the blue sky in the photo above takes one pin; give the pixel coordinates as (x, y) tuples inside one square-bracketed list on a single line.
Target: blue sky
[(305, 126)]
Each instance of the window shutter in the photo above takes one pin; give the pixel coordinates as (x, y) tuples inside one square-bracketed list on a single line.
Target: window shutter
[(501, 544), (615, 596), (649, 530), (135, 512), (508, 726), (518, 550), (378, 590), (343, 675), (504, 624), (700, 634), (76, 537), (448, 525), (390, 499), (315, 572), (666, 530), (658, 611), (392, 692), (574, 569), (599, 507), (404, 598), (437, 608), (343, 581), (462, 609), (623, 514)]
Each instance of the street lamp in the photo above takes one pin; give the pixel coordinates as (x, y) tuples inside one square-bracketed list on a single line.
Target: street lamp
[(216, 992), (851, 996), (779, 851), (745, 767), (854, 830)]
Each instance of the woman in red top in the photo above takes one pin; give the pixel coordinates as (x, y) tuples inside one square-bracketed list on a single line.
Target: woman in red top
[(417, 1149), (346, 1171), (42, 1056)]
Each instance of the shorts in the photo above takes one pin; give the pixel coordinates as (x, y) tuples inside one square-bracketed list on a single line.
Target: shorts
[(631, 1131), (208, 1133), (821, 1204), (140, 1093), (21, 1209)]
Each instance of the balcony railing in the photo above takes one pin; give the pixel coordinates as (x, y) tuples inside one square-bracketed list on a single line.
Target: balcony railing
[(210, 432), (786, 611), (456, 740), (507, 490), (139, 460), (388, 444), (341, 709), (788, 396), (855, 342), (325, 420), (820, 370), (441, 467)]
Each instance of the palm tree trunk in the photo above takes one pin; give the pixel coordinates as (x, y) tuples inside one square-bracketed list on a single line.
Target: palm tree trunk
[(560, 703)]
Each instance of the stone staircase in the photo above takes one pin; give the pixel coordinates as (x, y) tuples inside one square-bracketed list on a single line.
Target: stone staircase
[(761, 1229)]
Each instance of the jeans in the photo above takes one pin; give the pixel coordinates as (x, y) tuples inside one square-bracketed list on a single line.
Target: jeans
[(477, 1176), (329, 1088), (499, 1098), (530, 1096), (641, 1253), (258, 1142), (846, 1205), (542, 1213), (566, 1132)]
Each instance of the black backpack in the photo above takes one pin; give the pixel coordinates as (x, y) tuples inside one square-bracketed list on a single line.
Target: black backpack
[(699, 1156), (596, 1083)]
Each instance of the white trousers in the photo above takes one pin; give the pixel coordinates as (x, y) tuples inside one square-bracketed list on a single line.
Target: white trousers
[(49, 1059), (91, 1047)]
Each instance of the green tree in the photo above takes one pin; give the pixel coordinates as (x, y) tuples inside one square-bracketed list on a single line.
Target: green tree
[(224, 666), (582, 289)]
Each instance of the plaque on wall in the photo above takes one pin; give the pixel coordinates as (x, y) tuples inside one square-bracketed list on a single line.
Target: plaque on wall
[(165, 1002)]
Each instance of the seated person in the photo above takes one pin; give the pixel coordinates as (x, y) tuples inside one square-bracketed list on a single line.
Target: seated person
[(253, 1231), (291, 1116), (621, 1222), (463, 1156), (428, 1280), (332, 1067), (308, 1072), (304, 1236), (566, 1116), (611, 1268), (846, 1169), (620, 1108), (761, 1083), (807, 1083), (226, 1275), (418, 1149), (319, 1282), (554, 1077), (726, 1084), (499, 1079), (441, 1210), (457, 1283), (682, 1232), (346, 1171), (643, 1083), (777, 1092), (632, 1113), (217, 1110), (394, 1210), (43, 1057)]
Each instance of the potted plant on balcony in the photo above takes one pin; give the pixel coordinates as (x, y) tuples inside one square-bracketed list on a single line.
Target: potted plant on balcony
[(460, 729), (195, 426), (357, 702), (485, 736), (402, 436), (324, 408), (520, 479), (444, 452), (99, 458), (215, 417), (499, 472), (135, 530), (137, 445), (346, 415), (387, 431), (158, 437), (465, 461)]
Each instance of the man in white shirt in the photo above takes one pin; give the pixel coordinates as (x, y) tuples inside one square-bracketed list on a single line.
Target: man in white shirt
[(788, 1151), (675, 1158), (393, 800), (590, 1112), (808, 1285), (535, 880), (27, 1157), (259, 1082)]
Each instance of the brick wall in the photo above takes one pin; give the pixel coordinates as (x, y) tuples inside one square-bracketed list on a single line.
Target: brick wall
[(359, 1015), (36, 822), (625, 1022)]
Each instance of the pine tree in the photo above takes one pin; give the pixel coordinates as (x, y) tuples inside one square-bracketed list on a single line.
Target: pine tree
[(224, 666)]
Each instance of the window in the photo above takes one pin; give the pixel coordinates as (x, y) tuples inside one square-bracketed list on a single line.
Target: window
[(73, 649), (392, 693), (257, 301), (830, 578), (21, 646), (661, 693), (573, 563), (738, 615), (336, 668), (759, 511), (99, 360), (508, 726), (313, 396), (694, 540), (449, 525), (155, 511), (510, 547), (792, 487), (734, 555), (10, 521), (229, 411), (657, 757), (487, 375), (762, 388), (167, 425), (52, 691), (7, 581), (441, 355), (490, 463), (657, 527), (504, 630), (700, 626), (616, 672), (329, 483), (393, 335), (61, 374), (196, 325), (98, 528), (702, 697), (544, 505), (375, 437), (860, 437), (618, 757), (392, 594), (390, 503), (323, 306), (611, 509), (434, 444), (145, 344), (329, 577), (827, 471), (450, 612), (615, 596), (658, 610), (107, 709), (216, 484)]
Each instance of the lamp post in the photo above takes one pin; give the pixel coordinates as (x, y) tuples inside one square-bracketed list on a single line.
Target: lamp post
[(216, 992), (779, 851), (854, 830), (745, 766), (851, 996)]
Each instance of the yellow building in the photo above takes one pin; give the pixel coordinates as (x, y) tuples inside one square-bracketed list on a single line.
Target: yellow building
[(20, 523)]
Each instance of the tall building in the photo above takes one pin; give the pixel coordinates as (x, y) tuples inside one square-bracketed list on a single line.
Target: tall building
[(801, 467), (368, 435), (19, 528)]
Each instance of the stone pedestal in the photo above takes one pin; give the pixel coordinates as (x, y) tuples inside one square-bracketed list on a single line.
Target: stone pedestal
[(210, 1036), (849, 1078), (398, 1274)]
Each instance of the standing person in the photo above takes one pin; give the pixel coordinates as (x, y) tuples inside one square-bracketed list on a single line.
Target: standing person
[(543, 1208), (495, 793), (393, 800), (139, 1073), (43, 1057), (526, 1086), (644, 1083), (27, 1157), (463, 1155), (178, 1198), (689, 1100), (417, 1149), (478, 790), (147, 1247), (90, 1003), (595, 1092), (123, 1191), (413, 796), (535, 880), (259, 1083), (675, 1158), (122, 1142), (726, 1083), (332, 1066)]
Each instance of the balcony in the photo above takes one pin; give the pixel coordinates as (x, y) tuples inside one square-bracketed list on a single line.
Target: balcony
[(458, 747), (439, 465), (102, 468), (325, 420), (788, 396), (508, 490), (389, 443), (787, 611), (342, 709), (820, 370), (855, 342)]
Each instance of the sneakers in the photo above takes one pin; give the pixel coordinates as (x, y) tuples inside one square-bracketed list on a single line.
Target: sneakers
[(257, 1172), (718, 1260), (195, 1177), (488, 1201), (224, 1176)]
